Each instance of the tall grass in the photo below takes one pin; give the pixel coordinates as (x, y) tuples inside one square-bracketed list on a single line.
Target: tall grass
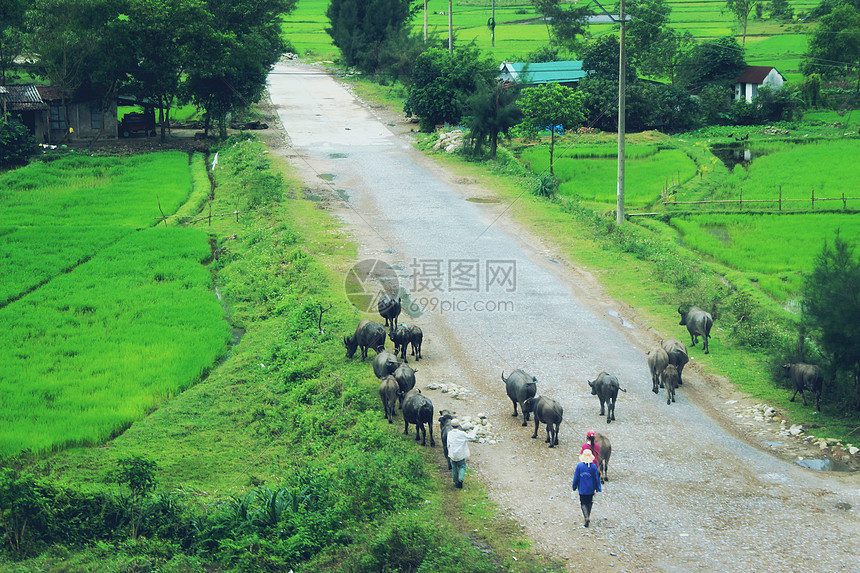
[(590, 173), (827, 167), (96, 349), (773, 251)]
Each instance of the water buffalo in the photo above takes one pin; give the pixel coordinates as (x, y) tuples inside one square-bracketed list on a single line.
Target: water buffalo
[(805, 377), (678, 356), (698, 324), (389, 391), (670, 379), (520, 387), (416, 338), (405, 377), (384, 364), (401, 337), (657, 361), (604, 446), (445, 417), (389, 309), (606, 389), (418, 410), (368, 334), (549, 412)]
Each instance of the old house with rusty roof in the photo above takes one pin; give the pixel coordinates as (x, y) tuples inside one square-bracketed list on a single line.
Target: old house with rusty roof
[(754, 77), (52, 119)]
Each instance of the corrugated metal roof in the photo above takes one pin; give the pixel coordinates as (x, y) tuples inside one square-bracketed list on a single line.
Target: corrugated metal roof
[(24, 97), (544, 72)]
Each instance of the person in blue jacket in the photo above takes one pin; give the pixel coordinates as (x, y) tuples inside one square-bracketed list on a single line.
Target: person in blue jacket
[(586, 480)]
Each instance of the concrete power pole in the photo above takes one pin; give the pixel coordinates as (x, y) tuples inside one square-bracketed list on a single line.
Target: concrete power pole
[(425, 21), (450, 27), (622, 112)]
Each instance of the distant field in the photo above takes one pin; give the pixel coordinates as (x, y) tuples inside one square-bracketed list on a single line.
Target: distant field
[(104, 313), (519, 29)]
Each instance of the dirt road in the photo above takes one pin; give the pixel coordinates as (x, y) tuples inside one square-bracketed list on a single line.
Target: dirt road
[(693, 486)]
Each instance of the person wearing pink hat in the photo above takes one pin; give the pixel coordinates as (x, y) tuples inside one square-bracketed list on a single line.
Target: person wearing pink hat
[(590, 445), (586, 480)]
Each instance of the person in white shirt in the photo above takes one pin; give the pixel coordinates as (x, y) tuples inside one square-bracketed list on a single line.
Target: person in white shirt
[(458, 451)]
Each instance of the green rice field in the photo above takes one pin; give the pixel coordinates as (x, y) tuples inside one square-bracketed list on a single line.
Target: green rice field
[(104, 314), (773, 250)]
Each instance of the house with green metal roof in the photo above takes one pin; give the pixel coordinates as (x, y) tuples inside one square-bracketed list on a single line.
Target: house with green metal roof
[(567, 73)]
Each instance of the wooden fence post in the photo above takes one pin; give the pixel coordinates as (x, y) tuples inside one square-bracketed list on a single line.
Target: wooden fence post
[(741, 202), (844, 207), (780, 198), (813, 198)]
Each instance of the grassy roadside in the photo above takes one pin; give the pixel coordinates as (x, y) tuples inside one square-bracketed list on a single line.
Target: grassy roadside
[(284, 417)]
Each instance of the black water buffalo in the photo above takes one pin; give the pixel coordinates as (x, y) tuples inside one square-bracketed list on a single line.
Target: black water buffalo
[(698, 324), (389, 309), (418, 410), (678, 356), (549, 412), (520, 386), (606, 389), (405, 377), (416, 338), (670, 378), (385, 363), (401, 337), (657, 361), (805, 377), (604, 447), (368, 334), (445, 417), (389, 391)]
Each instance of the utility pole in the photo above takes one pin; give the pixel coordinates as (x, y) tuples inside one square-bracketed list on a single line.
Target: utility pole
[(450, 26), (622, 112), (425, 21)]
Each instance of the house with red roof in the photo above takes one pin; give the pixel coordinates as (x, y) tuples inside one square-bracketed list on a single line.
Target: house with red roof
[(754, 77)]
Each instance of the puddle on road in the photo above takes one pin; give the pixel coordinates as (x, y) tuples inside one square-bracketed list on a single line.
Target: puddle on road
[(482, 200), (408, 306), (624, 323), (342, 194), (823, 465), (312, 196), (327, 176), (338, 155)]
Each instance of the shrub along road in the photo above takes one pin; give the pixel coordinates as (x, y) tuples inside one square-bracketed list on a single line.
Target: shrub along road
[(690, 489)]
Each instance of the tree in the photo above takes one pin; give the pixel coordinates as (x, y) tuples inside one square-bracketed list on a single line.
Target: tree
[(834, 47), (17, 144), (362, 28), (553, 107), (742, 10), (652, 43), (442, 82), (567, 24), (11, 34), (138, 474), (490, 111), (230, 72), (163, 34), (781, 10), (713, 62), (831, 309)]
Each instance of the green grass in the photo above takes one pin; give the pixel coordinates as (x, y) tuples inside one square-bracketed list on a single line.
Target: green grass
[(772, 250), (829, 168), (93, 298)]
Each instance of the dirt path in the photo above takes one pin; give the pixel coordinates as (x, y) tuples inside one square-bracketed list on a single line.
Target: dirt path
[(696, 486)]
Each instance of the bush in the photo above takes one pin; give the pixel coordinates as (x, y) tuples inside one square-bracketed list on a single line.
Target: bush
[(17, 145), (547, 185)]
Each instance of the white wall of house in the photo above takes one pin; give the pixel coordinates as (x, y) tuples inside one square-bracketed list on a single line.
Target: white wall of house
[(748, 91)]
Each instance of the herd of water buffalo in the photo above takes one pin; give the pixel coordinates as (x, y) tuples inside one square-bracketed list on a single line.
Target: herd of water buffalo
[(397, 379)]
